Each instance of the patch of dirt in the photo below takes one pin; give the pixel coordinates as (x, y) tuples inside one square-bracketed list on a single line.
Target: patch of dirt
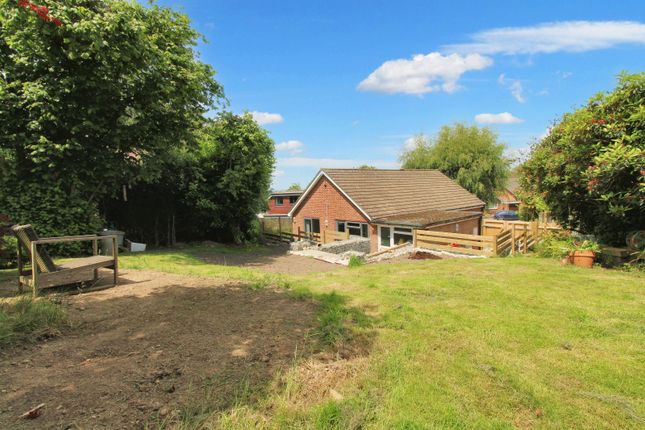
[(420, 255), (274, 260), (145, 348)]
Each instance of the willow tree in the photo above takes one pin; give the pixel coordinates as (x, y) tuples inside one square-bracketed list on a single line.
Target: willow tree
[(468, 154)]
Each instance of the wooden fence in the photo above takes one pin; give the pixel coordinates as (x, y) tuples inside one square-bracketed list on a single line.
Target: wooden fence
[(325, 236), (491, 227), (455, 242), (499, 238)]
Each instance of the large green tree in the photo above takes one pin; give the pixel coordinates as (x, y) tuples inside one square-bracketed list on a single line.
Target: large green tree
[(468, 154), (91, 92), (590, 170), (212, 192)]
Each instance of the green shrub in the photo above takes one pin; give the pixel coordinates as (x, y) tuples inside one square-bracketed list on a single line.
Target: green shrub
[(355, 261), (27, 320), (8, 250), (555, 246)]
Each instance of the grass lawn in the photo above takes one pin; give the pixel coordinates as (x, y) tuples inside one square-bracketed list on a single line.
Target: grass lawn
[(484, 343)]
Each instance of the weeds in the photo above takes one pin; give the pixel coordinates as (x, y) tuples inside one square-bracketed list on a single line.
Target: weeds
[(355, 261), (27, 320)]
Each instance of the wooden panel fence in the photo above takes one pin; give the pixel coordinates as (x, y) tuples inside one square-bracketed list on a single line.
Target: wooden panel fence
[(491, 227), (325, 236), (455, 242), (499, 238)]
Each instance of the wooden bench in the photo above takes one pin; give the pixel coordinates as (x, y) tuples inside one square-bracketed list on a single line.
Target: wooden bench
[(45, 274)]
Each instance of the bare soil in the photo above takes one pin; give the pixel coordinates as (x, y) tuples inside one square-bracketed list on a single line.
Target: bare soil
[(274, 259), (150, 347)]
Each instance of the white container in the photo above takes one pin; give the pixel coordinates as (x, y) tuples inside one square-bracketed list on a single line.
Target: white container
[(137, 247)]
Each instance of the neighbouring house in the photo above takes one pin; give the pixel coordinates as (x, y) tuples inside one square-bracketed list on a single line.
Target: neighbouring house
[(385, 205), (281, 202), (507, 198)]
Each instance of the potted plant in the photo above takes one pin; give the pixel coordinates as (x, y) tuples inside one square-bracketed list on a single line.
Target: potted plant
[(584, 254)]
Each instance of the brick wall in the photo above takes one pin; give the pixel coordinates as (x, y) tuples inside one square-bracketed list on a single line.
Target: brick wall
[(469, 226), (505, 197), (279, 210), (327, 203)]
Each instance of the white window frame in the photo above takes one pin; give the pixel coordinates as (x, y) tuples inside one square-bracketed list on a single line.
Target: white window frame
[(311, 223), (409, 231), (355, 224)]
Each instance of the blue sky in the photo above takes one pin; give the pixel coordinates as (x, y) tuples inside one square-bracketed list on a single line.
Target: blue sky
[(342, 83)]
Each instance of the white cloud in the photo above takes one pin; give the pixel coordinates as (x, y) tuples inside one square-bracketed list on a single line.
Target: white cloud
[(263, 118), (334, 162), (497, 118), (514, 85), (412, 142), (422, 74), (518, 155), (277, 173), (294, 147), (565, 36)]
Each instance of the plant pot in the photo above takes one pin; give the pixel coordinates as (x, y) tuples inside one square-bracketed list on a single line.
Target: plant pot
[(583, 258)]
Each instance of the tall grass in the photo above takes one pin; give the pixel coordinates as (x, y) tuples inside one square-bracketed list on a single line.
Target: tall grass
[(27, 320)]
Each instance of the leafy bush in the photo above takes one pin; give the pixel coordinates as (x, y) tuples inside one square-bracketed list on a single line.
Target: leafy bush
[(27, 320), (355, 261), (8, 251), (560, 245), (555, 246), (588, 170)]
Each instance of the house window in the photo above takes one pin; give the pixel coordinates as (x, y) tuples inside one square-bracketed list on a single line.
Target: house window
[(402, 235), (391, 236), (278, 201), (359, 229), (493, 205), (293, 199), (312, 225), (385, 236)]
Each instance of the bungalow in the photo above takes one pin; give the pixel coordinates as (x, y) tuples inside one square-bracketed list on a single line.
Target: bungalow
[(281, 202), (385, 205), (507, 198)]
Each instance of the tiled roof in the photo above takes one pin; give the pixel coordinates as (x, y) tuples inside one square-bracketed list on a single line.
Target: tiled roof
[(287, 193), (426, 218), (383, 193), (513, 184)]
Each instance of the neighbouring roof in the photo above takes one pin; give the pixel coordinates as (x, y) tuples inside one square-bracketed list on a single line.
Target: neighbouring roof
[(513, 184), (287, 193), (383, 193), (426, 218)]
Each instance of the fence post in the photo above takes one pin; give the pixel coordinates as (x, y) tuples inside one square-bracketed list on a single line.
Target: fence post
[(512, 239), (414, 238), (525, 249), (494, 245), (298, 232)]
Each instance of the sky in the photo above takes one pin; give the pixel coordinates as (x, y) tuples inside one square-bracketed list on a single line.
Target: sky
[(346, 83)]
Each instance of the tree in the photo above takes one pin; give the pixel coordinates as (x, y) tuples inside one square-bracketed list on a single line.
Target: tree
[(366, 167), (294, 187), (468, 154), (237, 159), (90, 102), (213, 191), (589, 170)]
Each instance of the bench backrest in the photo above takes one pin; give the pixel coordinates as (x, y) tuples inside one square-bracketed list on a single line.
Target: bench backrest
[(25, 235)]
